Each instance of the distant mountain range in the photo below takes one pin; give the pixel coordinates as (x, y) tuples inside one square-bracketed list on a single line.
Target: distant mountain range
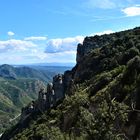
[(51, 69), (10, 72), (51, 64)]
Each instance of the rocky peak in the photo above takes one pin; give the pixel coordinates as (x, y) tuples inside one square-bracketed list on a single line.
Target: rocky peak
[(91, 43)]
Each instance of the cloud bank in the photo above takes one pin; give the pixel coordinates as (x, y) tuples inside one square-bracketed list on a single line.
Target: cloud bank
[(43, 50), (35, 38), (63, 44), (15, 45), (132, 11)]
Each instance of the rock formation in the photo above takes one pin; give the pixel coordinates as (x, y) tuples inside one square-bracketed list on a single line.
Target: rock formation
[(91, 43), (58, 87), (46, 99)]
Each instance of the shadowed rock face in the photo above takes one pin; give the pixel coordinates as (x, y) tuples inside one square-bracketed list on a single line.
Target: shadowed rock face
[(46, 100), (58, 87)]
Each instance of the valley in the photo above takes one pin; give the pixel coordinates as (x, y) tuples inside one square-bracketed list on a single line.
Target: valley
[(18, 87)]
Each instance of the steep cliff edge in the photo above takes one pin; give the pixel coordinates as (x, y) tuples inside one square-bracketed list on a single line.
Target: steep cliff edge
[(101, 92)]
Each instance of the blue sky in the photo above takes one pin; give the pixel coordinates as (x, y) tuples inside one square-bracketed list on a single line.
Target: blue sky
[(46, 31)]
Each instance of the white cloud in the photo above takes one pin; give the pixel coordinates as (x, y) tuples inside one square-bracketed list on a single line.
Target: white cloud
[(63, 44), (61, 57), (132, 11), (15, 45), (35, 38), (104, 32), (36, 53), (69, 44), (10, 59), (10, 33)]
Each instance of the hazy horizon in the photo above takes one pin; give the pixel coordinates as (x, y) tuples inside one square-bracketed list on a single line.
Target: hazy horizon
[(42, 64)]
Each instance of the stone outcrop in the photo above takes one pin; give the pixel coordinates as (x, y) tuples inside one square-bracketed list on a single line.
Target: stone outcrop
[(27, 110), (46, 99), (58, 87)]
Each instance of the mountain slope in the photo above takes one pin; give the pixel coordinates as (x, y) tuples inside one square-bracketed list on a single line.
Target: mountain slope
[(8, 71), (102, 98), (14, 94), (19, 85)]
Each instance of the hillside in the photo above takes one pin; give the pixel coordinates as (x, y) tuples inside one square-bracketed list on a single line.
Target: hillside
[(14, 94), (19, 85), (102, 98)]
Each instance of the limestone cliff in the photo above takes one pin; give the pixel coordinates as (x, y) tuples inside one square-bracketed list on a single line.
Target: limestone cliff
[(91, 43)]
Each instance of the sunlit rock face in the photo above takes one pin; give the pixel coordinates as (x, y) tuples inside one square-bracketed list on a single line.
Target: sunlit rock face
[(91, 43)]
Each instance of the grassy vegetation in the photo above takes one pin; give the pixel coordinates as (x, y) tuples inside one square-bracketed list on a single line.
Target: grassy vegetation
[(15, 94)]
